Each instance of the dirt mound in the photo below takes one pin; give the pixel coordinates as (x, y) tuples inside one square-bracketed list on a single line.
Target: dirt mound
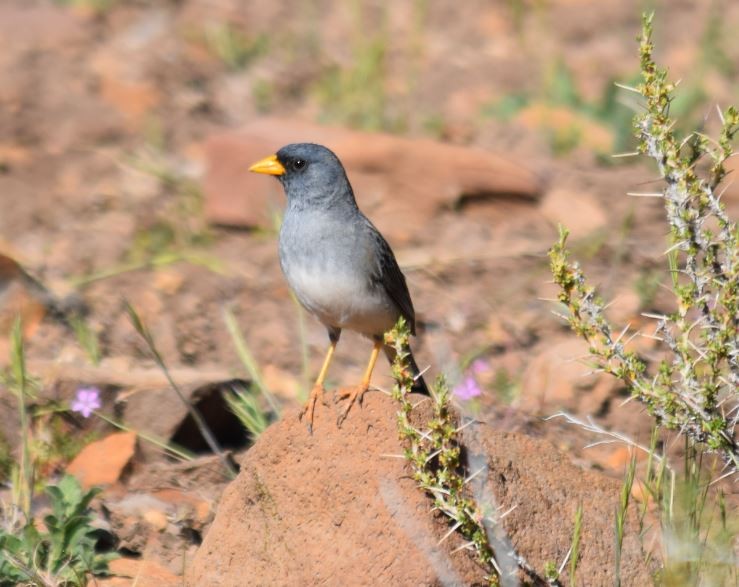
[(338, 508)]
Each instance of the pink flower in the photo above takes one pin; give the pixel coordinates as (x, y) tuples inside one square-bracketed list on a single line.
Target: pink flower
[(86, 401), (467, 389)]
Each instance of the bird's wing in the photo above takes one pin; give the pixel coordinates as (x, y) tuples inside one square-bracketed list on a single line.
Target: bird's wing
[(388, 273)]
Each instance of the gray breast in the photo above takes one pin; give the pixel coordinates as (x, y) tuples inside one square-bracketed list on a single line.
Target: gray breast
[(329, 263)]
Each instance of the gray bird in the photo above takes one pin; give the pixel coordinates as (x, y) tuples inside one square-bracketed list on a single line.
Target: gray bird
[(336, 262)]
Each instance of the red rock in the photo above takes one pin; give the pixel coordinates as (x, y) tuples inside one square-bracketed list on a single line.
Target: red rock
[(400, 182), (331, 509), (104, 461), (20, 296)]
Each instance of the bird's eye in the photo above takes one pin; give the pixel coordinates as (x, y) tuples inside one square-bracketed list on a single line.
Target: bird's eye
[(298, 164)]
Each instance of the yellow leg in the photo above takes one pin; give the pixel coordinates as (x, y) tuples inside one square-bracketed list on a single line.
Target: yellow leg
[(355, 393), (318, 390)]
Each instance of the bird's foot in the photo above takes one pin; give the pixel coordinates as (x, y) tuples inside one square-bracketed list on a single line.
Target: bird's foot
[(315, 394), (353, 394)]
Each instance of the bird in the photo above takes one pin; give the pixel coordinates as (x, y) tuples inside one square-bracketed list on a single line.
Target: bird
[(338, 265)]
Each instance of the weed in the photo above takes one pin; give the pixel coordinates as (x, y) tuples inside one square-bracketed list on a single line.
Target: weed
[(435, 457), (245, 405), (696, 391), (6, 459), (575, 547), (694, 388), (210, 439), (620, 517), (62, 551), (248, 360)]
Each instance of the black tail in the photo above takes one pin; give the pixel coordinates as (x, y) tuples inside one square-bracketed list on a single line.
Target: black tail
[(419, 385)]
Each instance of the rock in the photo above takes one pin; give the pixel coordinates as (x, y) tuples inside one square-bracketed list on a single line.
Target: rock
[(20, 297), (103, 462), (142, 573), (334, 508), (401, 182), (579, 212)]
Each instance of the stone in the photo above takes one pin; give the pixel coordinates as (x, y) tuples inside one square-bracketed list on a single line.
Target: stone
[(336, 507), (104, 461), (400, 182)]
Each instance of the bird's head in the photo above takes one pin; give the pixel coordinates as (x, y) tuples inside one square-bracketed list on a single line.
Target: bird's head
[(308, 172)]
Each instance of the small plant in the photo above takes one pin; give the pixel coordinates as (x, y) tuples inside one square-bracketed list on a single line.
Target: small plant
[(435, 457), (575, 548), (245, 405), (61, 551), (695, 389)]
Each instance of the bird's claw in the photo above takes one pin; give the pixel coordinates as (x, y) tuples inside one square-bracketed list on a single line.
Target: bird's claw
[(310, 406), (354, 394)]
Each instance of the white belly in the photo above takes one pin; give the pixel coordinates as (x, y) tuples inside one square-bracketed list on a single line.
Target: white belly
[(343, 300)]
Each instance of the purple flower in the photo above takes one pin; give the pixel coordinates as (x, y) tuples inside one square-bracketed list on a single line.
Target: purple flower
[(467, 389), (86, 401)]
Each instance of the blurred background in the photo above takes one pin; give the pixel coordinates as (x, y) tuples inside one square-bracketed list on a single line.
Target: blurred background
[(469, 129)]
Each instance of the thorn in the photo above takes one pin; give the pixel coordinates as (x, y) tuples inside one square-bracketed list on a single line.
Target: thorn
[(432, 455), (627, 88), (448, 534), (463, 426), (508, 511), (467, 545), (720, 114), (475, 474), (620, 155), (645, 194), (564, 562)]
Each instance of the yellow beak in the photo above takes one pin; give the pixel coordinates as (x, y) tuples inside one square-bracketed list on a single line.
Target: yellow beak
[(269, 166)]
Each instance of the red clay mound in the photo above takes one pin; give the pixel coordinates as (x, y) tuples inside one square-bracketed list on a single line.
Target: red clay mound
[(334, 509)]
